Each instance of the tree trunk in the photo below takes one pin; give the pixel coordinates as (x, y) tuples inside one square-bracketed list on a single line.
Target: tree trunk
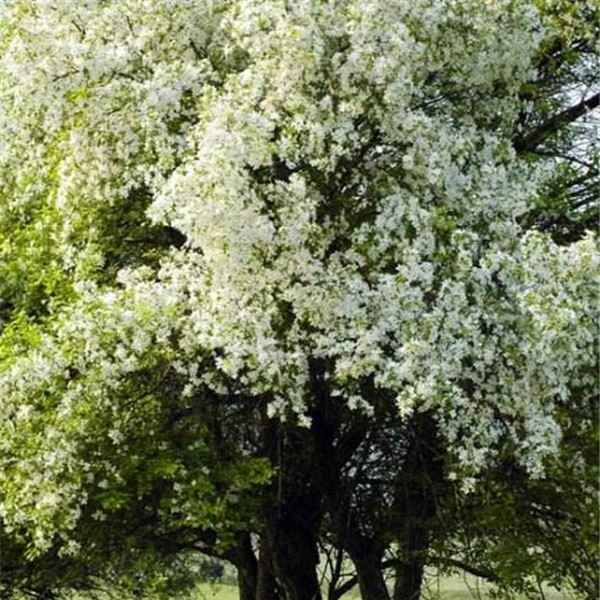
[(266, 586), (247, 568), (409, 579), (292, 519), (370, 579), (366, 553), (419, 483), (409, 572), (294, 554)]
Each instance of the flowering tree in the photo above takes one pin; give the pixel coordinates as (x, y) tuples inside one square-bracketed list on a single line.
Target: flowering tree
[(252, 251)]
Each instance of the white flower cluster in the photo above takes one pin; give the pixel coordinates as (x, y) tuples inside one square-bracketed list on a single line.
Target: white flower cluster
[(343, 196)]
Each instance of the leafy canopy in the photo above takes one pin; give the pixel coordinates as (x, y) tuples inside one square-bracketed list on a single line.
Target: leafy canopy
[(200, 199)]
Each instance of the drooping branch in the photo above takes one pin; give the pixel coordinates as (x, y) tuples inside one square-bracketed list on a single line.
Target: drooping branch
[(463, 566), (531, 140)]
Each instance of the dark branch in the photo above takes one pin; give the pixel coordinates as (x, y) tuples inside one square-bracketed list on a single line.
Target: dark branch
[(530, 141), (459, 564), (200, 54)]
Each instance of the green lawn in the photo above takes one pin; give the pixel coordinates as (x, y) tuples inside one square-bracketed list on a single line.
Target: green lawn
[(437, 588), (470, 588), (217, 592), (445, 588)]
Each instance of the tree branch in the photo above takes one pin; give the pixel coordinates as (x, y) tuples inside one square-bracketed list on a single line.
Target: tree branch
[(534, 138), (459, 564)]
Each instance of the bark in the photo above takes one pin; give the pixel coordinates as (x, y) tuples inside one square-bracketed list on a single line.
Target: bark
[(370, 578), (293, 514), (409, 573), (366, 552), (254, 576), (294, 552), (247, 569), (266, 586), (530, 141), (418, 484), (409, 580), (481, 572)]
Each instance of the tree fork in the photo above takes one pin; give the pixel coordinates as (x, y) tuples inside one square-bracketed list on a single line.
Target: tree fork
[(367, 555)]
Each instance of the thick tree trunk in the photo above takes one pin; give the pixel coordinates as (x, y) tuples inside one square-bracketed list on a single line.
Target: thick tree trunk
[(366, 553), (370, 579), (255, 577), (247, 569), (419, 483), (409, 572), (409, 580), (294, 554), (293, 517), (266, 586)]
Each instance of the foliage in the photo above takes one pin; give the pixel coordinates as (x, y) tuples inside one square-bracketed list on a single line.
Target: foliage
[(246, 246)]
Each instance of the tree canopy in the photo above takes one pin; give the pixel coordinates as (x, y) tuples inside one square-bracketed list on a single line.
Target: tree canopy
[(282, 276)]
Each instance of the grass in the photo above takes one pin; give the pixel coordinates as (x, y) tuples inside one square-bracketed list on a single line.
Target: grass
[(442, 588), (460, 587), (216, 592), (436, 588)]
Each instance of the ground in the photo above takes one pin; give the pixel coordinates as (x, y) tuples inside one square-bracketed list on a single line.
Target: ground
[(442, 588)]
